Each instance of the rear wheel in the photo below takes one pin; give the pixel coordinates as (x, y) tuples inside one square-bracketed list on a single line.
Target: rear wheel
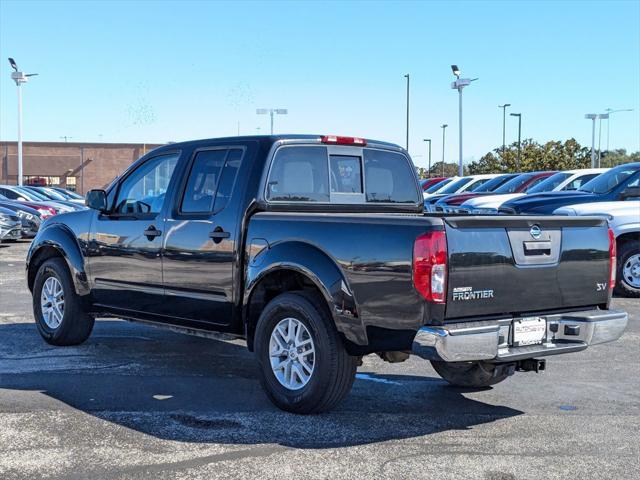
[(628, 274), (60, 314), (470, 374), (304, 367)]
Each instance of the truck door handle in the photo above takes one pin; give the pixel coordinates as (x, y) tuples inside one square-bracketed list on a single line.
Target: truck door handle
[(218, 234), (151, 232)]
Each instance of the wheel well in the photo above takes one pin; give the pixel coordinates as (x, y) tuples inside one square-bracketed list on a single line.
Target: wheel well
[(42, 255), (627, 237), (269, 287)]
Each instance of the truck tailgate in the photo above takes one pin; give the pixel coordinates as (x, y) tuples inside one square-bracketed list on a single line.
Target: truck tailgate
[(513, 265)]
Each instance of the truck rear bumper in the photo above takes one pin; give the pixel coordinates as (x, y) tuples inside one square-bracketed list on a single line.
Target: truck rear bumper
[(493, 340)]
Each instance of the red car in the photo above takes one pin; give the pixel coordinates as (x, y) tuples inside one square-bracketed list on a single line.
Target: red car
[(512, 183), (428, 182)]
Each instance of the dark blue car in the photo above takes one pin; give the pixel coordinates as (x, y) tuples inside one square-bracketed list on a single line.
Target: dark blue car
[(619, 183)]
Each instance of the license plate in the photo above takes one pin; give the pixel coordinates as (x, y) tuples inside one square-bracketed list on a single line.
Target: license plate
[(529, 331)]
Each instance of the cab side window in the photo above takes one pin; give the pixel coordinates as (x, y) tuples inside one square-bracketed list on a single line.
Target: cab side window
[(211, 179), (144, 190)]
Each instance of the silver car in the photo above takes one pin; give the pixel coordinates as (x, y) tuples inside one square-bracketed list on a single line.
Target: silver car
[(10, 225)]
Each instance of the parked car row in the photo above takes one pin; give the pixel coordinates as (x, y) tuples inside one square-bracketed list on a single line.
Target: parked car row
[(612, 193), (24, 208)]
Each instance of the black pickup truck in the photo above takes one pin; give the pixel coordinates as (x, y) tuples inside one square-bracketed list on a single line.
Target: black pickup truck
[(316, 250)]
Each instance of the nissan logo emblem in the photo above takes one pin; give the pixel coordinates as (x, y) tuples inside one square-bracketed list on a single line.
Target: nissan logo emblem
[(535, 232)]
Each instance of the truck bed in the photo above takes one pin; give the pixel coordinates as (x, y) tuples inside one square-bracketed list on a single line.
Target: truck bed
[(489, 272)]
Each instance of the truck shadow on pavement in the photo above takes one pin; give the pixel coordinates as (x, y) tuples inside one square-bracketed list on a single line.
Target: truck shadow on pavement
[(189, 389)]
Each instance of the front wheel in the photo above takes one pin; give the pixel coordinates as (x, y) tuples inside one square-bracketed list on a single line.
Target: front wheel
[(60, 314), (470, 374), (304, 367)]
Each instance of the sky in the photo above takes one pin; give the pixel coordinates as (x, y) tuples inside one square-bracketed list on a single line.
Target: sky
[(122, 71)]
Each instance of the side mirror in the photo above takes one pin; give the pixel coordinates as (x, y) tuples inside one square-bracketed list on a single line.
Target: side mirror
[(96, 199), (630, 192)]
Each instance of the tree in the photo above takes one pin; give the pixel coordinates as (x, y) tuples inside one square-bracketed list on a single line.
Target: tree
[(553, 155), (450, 170), (618, 157)]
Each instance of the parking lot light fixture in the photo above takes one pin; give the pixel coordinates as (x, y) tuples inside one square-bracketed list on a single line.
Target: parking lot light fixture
[(271, 112), (20, 78), (459, 84)]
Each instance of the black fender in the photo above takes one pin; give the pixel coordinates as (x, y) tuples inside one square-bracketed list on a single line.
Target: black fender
[(65, 242), (319, 268)]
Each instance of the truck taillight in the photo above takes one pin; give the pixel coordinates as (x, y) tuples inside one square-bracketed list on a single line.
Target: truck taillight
[(612, 259), (430, 266), (338, 140)]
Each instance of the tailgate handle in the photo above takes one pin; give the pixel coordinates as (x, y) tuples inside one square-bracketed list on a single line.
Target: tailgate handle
[(537, 248)]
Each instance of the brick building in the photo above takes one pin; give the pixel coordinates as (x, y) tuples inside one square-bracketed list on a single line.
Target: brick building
[(77, 166)]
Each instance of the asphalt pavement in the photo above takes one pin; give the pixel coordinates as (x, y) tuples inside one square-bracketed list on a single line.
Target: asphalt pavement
[(135, 402)]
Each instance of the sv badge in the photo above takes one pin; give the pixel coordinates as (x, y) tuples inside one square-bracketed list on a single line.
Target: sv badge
[(601, 286)]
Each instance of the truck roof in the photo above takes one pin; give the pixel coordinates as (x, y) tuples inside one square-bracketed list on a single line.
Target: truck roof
[(270, 139)]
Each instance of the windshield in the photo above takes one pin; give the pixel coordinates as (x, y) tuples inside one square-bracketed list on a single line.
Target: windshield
[(29, 195), (46, 195), (514, 184), (550, 183), (68, 193), (52, 194), (609, 180), (456, 185), (438, 185), (493, 183)]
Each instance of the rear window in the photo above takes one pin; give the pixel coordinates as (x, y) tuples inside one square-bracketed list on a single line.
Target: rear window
[(321, 174), (389, 178), (299, 174), (514, 184), (494, 183), (609, 180), (438, 186), (548, 184), (456, 185)]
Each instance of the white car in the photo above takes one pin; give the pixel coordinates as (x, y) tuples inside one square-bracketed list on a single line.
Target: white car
[(624, 220), (567, 180)]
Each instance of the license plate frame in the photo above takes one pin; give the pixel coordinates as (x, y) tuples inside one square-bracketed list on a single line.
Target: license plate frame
[(529, 331)]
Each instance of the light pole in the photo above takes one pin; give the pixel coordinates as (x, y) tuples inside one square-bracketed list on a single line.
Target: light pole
[(20, 78), (407, 143), (429, 169), (609, 112), (504, 122), (519, 115), (65, 138), (443, 127), (592, 117), (459, 84), (271, 112), (600, 117)]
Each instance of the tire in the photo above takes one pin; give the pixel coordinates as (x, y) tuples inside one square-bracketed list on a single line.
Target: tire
[(333, 369), (76, 324), (628, 270), (469, 374)]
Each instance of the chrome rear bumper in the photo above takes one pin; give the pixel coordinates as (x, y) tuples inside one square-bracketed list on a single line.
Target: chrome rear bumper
[(492, 340)]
